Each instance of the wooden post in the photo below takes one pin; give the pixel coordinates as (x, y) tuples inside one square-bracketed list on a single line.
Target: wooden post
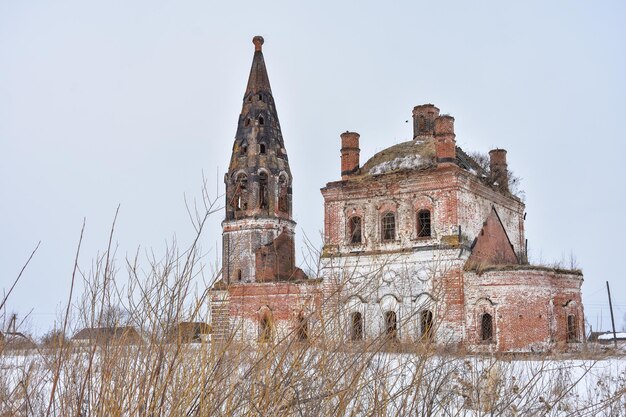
[(608, 290)]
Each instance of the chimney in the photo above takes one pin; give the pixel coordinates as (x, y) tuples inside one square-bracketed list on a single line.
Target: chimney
[(445, 145), (349, 154), (424, 120), (498, 168)]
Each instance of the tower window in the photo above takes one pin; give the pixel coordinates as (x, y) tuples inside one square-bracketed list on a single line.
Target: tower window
[(391, 325), (426, 324), (241, 186), (572, 333), (239, 275), (261, 120), (423, 223), (261, 97), (247, 122), (354, 229), (486, 328), (356, 329), (243, 150), (263, 192), (388, 227), (262, 149), (283, 191)]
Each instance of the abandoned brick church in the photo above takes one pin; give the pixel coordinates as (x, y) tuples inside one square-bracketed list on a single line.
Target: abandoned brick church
[(422, 243)]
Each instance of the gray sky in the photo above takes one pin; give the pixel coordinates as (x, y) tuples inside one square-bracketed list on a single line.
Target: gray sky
[(129, 103)]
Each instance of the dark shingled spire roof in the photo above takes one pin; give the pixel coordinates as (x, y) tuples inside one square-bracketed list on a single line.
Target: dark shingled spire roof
[(258, 81)]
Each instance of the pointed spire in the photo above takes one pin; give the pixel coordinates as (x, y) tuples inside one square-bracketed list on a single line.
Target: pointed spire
[(258, 80)]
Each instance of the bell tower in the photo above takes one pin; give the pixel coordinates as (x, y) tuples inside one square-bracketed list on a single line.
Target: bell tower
[(258, 231)]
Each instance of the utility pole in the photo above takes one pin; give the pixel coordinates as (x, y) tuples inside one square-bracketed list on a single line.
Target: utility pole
[(608, 290)]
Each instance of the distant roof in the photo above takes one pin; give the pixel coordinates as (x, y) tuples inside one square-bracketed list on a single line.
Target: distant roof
[(107, 333), (609, 336)]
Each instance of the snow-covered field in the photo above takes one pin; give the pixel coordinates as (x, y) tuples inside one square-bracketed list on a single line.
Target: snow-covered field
[(300, 381)]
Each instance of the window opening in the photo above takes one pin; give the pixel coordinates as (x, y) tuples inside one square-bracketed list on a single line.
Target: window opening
[(423, 223), (391, 325), (263, 192), (261, 121), (303, 327), (283, 202), (426, 324), (261, 97), (239, 275), (356, 330), (241, 188), (247, 123), (486, 327), (243, 150), (265, 328), (388, 226), (572, 334), (354, 228), (262, 149)]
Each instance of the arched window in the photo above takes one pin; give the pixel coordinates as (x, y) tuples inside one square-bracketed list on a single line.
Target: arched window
[(261, 97), (486, 328), (283, 191), (572, 328), (243, 150), (263, 192), (388, 227), (354, 229), (266, 327), (241, 188), (426, 324), (302, 332), (391, 325), (423, 223), (356, 326), (262, 149), (261, 120), (239, 275)]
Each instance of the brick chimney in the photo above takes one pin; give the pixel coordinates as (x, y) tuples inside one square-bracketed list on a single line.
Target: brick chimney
[(445, 145), (424, 117), (349, 154), (498, 168)]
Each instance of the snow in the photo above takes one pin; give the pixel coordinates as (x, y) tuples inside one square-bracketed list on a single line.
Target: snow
[(609, 336), (401, 162)]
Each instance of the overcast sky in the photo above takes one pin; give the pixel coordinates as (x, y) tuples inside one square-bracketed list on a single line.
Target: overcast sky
[(130, 103)]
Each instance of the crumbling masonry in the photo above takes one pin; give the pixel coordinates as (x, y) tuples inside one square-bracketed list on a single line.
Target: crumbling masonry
[(421, 243)]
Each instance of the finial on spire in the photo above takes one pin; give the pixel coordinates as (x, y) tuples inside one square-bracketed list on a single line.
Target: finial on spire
[(258, 43)]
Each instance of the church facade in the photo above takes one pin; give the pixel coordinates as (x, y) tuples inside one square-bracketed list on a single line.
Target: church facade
[(423, 243)]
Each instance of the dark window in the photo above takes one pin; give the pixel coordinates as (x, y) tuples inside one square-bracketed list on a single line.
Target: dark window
[(239, 275), (426, 324), (262, 148), (241, 187), (303, 327), (261, 97), (354, 228), (572, 333), (391, 325), (263, 200), (356, 330), (265, 328), (283, 198), (247, 123), (388, 227), (243, 150), (423, 223), (486, 328), (261, 121)]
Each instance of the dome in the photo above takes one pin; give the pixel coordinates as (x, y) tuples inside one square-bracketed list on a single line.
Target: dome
[(411, 155)]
